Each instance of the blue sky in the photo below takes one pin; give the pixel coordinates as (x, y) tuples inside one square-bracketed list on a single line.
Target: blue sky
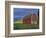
[(20, 12)]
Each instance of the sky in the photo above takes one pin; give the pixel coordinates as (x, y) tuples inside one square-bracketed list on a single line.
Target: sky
[(21, 12)]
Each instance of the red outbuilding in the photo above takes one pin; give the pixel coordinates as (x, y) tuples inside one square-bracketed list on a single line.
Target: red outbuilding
[(27, 20)]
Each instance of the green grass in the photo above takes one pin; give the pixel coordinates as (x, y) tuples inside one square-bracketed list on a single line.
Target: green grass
[(25, 26)]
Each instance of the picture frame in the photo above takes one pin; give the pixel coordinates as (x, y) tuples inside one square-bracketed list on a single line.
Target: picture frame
[(9, 5)]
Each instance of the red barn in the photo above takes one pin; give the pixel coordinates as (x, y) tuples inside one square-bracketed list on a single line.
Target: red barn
[(30, 19), (27, 19)]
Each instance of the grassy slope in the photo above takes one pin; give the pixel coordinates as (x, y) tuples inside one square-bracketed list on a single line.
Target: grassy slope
[(19, 25), (25, 26)]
